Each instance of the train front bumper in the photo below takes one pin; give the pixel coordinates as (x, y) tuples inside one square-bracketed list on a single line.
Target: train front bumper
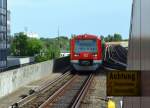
[(93, 67)]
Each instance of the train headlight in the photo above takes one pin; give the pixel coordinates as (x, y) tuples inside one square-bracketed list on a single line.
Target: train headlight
[(76, 55), (95, 55)]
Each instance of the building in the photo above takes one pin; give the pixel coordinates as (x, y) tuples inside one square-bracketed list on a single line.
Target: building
[(32, 35), (122, 43), (64, 53), (3, 34), (8, 29), (29, 34)]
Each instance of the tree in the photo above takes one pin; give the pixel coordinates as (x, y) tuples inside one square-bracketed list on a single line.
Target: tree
[(109, 38), (19, 45), (34, 46), (55, 45), (42, 49), (117, 37), (102, 37), (25, 46)]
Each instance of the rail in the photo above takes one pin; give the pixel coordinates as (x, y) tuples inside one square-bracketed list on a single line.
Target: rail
[(77, 87), (43, 89)]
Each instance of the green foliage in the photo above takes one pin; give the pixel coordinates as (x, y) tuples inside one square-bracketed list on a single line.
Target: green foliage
[(115, 37), (40, 58), (34, 46), (55, 45), (102, 37), (103, 47), (25, 46), (19, 45)]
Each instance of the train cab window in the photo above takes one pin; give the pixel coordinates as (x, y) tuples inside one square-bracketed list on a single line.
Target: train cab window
[(85, 46)]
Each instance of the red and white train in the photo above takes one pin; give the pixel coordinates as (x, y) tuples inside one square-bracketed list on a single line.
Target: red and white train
[(86, 52)]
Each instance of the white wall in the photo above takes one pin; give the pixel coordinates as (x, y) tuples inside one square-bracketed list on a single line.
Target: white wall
[(14, 61)]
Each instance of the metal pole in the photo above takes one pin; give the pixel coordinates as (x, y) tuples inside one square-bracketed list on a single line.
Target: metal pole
[(6, 35), (58, 41), (58, 37)]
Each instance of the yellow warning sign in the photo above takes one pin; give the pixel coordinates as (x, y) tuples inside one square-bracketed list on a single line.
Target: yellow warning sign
[(123, 83)]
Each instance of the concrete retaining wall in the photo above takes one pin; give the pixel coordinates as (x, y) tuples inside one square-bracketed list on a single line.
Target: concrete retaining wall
[(13, 79)]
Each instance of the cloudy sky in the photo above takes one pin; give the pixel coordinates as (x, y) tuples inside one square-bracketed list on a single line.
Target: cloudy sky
[(100, 17)]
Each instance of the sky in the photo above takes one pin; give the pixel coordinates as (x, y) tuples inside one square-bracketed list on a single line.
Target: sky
[(99, 17)]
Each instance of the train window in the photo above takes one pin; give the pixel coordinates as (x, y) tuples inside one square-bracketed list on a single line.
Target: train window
[(85, 46)]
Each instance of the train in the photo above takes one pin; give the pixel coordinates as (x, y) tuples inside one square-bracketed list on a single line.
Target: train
[(86, 52)]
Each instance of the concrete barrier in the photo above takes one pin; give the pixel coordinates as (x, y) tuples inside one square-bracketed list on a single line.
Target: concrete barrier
[(13, 79)]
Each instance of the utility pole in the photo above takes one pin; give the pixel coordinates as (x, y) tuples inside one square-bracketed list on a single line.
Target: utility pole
[(26, 30), (58, 36), (58, 32), (57, 41)]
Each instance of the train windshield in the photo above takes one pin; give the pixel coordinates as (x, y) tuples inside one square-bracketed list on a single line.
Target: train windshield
[(85, 46)]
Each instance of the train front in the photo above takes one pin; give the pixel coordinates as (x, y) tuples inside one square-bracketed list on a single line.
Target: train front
[(86, 52)]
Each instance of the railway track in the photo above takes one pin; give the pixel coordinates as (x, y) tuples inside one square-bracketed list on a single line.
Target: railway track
[(121, 53), (117, 55), (41, 94), (71, 94), (66, 91), (115, 58)]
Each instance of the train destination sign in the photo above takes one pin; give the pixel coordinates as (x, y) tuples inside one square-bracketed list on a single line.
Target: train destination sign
[(123, 83)]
